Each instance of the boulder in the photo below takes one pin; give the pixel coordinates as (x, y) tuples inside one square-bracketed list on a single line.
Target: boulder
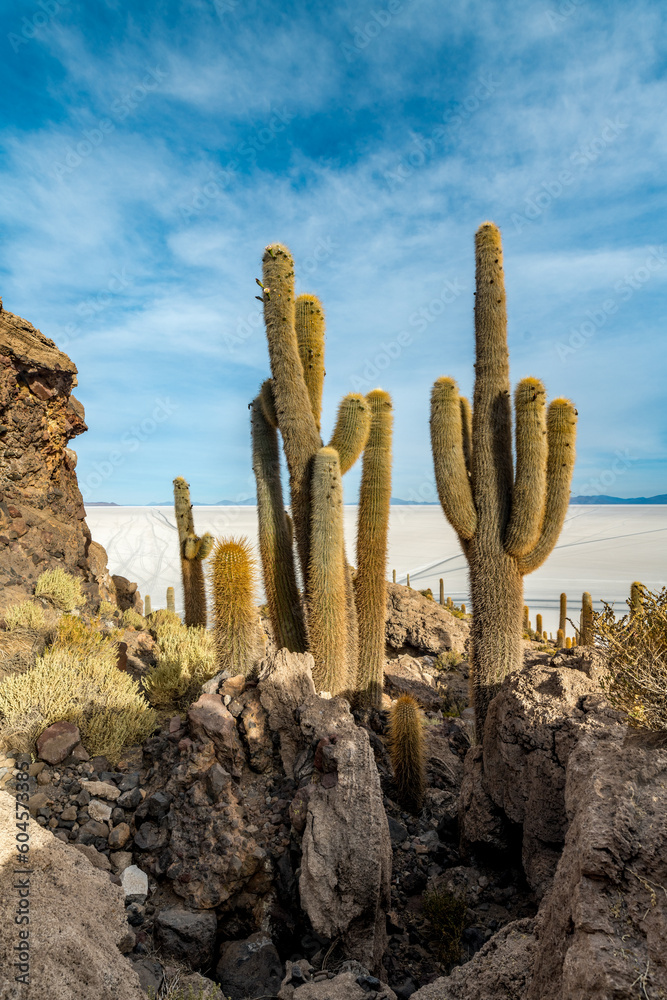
[(250, 968), (77, 921), (344, 884), (42, 517), (209, 720), (518, 777), (419, 626), (406, 675), (186, 935), (127, 595), (57, 741), (135, 884)]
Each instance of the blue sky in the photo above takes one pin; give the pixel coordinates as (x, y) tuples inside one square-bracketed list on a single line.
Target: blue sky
[(149, 152)]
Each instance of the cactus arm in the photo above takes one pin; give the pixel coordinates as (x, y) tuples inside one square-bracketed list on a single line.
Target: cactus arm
[(530, 484), (183, 511), (466, 430), (372, 531), (268, 402), (328, 596), (451, 474), (561, 437), (301, 438), (309, 324), (204, 546), (275, 538), (353, 425)]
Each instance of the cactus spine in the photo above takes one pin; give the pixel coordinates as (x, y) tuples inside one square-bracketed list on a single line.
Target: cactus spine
[(586, 620), (507, 523), (171, 599), (237, 633), (406, 748), (636, 603), (193, 550), (370, 589), (147, 605), (562, 615), (328, 600)]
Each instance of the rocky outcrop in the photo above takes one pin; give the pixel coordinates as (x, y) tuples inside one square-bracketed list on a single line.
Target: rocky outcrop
[(602, 931), (518, 776), (501, 970), (417, 625), (347, 985), (77, 922), (344, 884), (42, 518)]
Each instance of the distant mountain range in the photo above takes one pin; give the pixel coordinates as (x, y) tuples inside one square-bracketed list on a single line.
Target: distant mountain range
[(661, 498), (252, 502)]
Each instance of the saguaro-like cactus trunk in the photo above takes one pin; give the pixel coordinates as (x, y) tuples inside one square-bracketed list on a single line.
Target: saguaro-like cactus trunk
[(507, 521)]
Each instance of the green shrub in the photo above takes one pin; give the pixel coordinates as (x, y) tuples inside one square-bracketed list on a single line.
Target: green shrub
[(107, 609), (448, 660), (428, 593), (63, 589), (27, 614), (446, 914), (164, 622), (635, 649), (185, 658), (76, 682), (132, 619)]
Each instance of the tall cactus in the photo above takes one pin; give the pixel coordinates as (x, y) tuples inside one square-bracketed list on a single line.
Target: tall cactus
[(193, 550), (406, 749), (562, 615), (636, 595), (538, 625), (328, 605), (236, 632), (507, 522), (370, 587), (275, 537), (586, 620)]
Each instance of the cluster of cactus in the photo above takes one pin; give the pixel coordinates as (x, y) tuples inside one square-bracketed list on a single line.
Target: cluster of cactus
[(340, 621), (507, 520), (192, 550)]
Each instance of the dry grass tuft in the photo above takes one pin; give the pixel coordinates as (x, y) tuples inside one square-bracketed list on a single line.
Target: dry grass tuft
[(635, 648), (63, 589), (26, 615), (76, 680), (186, 657)]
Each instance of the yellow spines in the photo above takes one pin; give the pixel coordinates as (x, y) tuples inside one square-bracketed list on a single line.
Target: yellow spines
[(298, 428), (370, 586), (237, 633), (406, 748), (562, 614), (171, 599), (353, 425), (275, 537), (560, 639), (329, 603), (309, 323), (586, 638), (561, 437), (451, 473), (568, 642), (530, 481)]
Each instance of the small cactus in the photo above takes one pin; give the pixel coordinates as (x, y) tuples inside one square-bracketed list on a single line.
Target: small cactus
[(442, 591), (237, 633), (562, 616), (560, 639), (147, 605), (538, 626), (526, 618), (171, 599), (568, 642), (406, 749), (636, 591)]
